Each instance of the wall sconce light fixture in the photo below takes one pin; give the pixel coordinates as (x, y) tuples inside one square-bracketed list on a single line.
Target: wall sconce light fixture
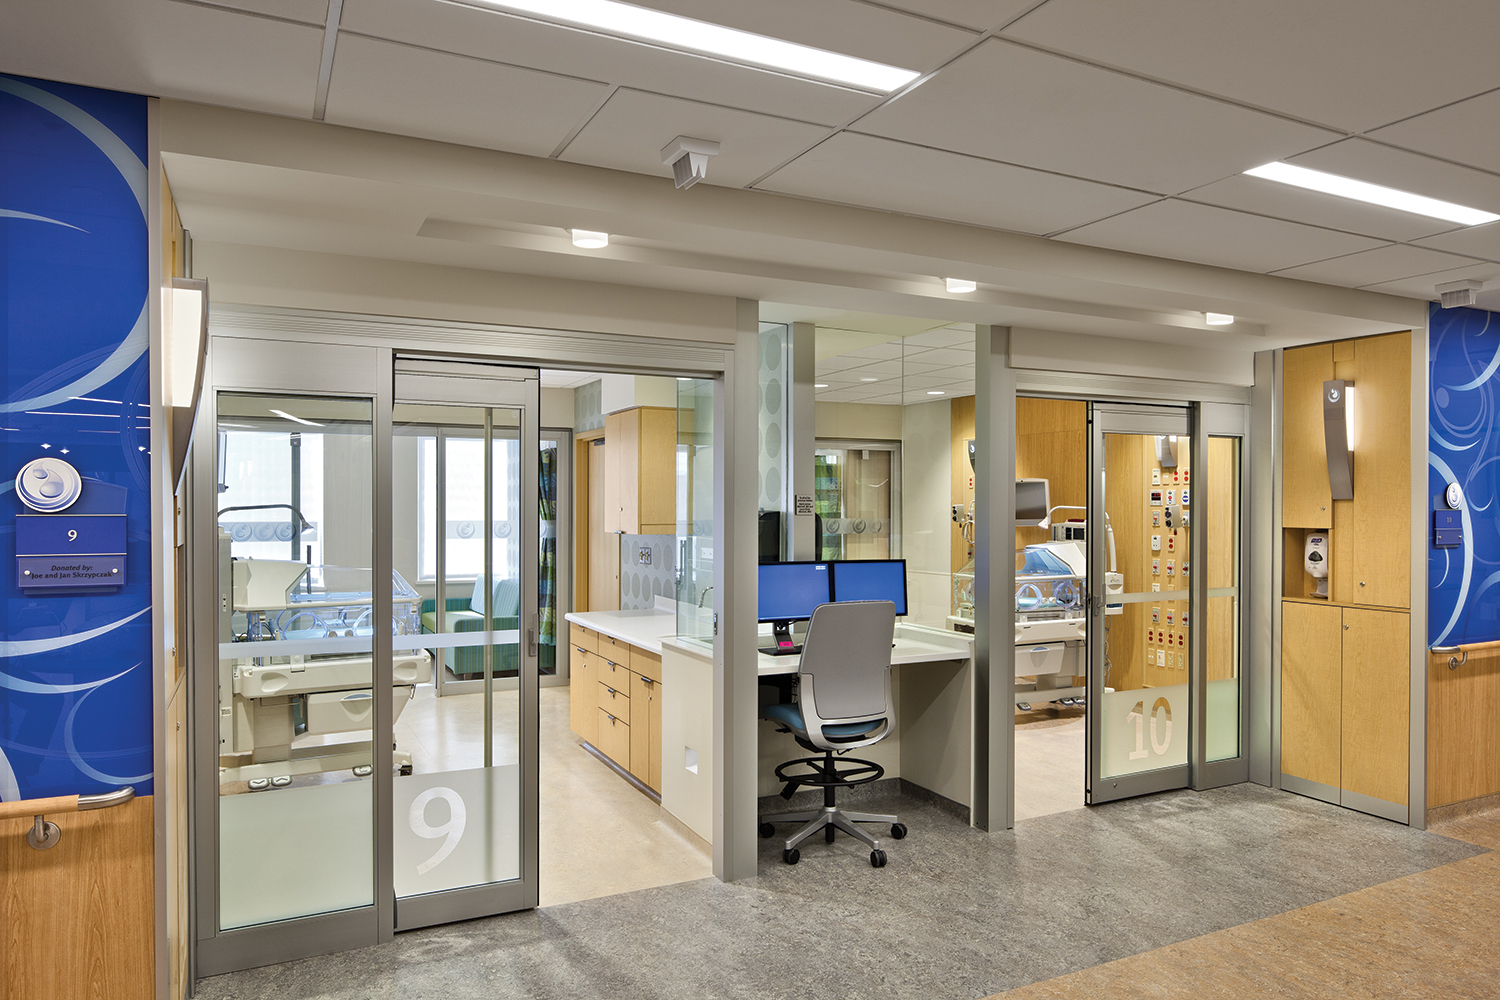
[(1338, 436)]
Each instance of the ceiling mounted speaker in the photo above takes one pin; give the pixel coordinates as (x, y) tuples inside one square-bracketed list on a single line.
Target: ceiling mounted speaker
[(1459, 293), (688, 158)]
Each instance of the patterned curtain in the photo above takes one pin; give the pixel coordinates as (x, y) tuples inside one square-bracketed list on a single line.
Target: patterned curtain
[(547, 578)]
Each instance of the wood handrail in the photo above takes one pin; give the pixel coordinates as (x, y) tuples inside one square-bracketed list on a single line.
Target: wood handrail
[(27, 808), (1466, 647), (43, 834)]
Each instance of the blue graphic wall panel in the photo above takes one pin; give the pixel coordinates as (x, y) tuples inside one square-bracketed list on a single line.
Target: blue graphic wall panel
[(75, 648), (1464, 448)]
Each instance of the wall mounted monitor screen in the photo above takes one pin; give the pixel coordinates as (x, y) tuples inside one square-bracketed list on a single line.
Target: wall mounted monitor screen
[(871, 580), (1032, 504)]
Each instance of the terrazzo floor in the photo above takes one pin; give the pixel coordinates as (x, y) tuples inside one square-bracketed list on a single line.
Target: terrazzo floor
[(962, 913)]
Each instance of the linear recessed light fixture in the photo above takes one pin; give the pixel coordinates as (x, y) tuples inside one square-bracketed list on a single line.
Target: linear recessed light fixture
[(820, 385), (703, 38), (1374, 194), (1218, 319), (867, 378), (934, 392)]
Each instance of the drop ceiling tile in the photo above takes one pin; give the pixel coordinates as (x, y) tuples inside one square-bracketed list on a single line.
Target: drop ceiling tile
[(489, 35), (1371, 267), (1464, 132), (847, 26), (309, 11), (166, 49), (981, 14), (945, 337), (894, 176), (955, 355), (1423, 286), (1476, 241), (1349, 64), (913, 380), (1407, 171), (882, 351), (1014, 104), (630, 130), (1263, 197), (878, 369), (435, 95), (1208, 235)]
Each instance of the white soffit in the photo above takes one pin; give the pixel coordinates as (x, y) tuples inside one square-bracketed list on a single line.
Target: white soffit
[(849, 27), (865, 170), (167, 49), (1464, 132), (1349, 64), (411, 91), (630, 130), (1283, 201), (488, 35), (1218, 236), (1376, 266), (1476, 241), (1377, 164), (1011, 103), (980, 14), (1424, 286)]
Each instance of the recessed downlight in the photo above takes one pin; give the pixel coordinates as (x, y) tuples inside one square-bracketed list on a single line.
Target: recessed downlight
[(959, 286), (1218, 319), (703, 38), (820, 385), (1373, 194), (934, 392), (590, 240), (868, 378)]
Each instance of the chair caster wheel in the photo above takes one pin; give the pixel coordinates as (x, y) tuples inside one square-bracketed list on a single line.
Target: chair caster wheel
[(898, 831), (792, 856), (767, 831), (877, 858), (406, 769)]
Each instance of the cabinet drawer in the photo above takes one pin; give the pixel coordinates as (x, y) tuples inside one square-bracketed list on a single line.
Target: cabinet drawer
[(583, 638), (645, 663), (614, 738), (611, 648), (616, 675), (615, 701)]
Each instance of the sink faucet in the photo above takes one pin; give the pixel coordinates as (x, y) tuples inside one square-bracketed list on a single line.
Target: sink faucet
[(706, 591)]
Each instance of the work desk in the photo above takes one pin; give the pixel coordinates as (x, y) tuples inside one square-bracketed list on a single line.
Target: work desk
[(914, 644)]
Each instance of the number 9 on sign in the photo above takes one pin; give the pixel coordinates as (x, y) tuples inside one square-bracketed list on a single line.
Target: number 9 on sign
[(453, 830), (72, 534)]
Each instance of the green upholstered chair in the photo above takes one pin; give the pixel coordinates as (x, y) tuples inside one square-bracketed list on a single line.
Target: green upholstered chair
[(467, 615)]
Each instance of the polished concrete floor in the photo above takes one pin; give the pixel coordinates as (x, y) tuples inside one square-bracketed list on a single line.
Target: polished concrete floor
[(960, 913)]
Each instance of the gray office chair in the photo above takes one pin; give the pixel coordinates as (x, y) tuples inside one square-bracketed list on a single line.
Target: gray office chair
[(843, 702)]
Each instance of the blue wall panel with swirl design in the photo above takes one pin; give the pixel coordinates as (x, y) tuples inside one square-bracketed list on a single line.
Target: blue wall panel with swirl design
[(1464, 448), (75, 660)]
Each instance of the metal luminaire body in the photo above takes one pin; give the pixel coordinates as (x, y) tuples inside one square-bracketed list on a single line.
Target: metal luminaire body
[(1336, 425)]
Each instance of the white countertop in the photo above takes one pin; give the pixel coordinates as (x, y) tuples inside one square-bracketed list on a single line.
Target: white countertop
[(914, 644), (645, 627)]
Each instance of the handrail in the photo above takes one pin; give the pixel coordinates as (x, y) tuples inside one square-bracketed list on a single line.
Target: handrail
[(1466, 648), (43, 833)]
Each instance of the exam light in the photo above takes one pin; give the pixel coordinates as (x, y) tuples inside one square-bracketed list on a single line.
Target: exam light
[(702, 38), (1374, 194), (590, 240), (1218, 319), (959, 286)]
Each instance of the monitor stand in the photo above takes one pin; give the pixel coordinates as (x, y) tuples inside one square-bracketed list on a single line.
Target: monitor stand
[(782, 644)]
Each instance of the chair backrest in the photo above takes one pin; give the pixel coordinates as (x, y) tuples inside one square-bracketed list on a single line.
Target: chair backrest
[(507, 597), (846, 661)]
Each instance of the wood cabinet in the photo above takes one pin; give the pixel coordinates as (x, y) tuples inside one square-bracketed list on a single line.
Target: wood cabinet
[(615, 702), (640, 471), (1345, 703)]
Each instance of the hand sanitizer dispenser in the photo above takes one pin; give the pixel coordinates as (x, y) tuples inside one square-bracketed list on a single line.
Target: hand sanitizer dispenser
[(1315, 561)]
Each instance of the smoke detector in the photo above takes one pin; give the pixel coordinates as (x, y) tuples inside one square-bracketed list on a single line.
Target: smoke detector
[(1458, 293), (689, 159)]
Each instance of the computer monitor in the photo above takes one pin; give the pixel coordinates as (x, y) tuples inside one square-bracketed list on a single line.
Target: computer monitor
[(871, 580), (1032, 503), (790, 592)]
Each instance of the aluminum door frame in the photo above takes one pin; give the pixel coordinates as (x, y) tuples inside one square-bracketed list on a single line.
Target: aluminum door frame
[(468, 384), (1105, 418)]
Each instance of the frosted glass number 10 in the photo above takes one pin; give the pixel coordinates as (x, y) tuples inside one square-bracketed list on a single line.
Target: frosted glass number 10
[(1138, 716)]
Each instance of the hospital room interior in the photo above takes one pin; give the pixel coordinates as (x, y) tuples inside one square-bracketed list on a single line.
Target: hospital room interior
[(624, 559)]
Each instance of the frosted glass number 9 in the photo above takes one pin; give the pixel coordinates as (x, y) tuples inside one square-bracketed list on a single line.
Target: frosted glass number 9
[(453, 830)]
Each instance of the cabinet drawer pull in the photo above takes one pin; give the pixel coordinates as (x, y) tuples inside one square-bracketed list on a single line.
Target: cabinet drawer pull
[(610, 690), (611, 718), (646, 680)]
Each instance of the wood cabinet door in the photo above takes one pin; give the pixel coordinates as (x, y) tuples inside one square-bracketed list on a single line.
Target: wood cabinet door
[(583, 700), (622, 472), (642, 693), (1376, 527), (1306, 501), (1376, 703), (654, 749), (1311, 692), (656, 457)]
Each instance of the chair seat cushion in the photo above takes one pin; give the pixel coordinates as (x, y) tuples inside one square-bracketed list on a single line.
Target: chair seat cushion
[(791, 717)]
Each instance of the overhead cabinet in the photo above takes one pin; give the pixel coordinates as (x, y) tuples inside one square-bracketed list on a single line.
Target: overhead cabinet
[(640, 471)]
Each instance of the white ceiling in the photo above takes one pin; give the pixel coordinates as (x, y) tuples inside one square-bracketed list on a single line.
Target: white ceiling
[(1119, 125)]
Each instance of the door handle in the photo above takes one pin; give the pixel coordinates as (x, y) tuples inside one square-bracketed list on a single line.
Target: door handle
[(531, 637)]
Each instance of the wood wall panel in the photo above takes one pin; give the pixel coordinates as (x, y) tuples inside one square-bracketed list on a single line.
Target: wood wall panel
[(1463, 727), (1376, 703), (78, 921), (961, 423), (1378, 552), (1305, 498), (1311, 692), (1052, 443)]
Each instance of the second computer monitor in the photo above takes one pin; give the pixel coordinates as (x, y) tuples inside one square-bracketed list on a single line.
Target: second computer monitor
[(871, 580), (789, 592)]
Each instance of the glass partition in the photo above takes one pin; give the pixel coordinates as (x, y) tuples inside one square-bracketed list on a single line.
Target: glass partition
[(1221, 507), (295, 699), (695, 508)]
